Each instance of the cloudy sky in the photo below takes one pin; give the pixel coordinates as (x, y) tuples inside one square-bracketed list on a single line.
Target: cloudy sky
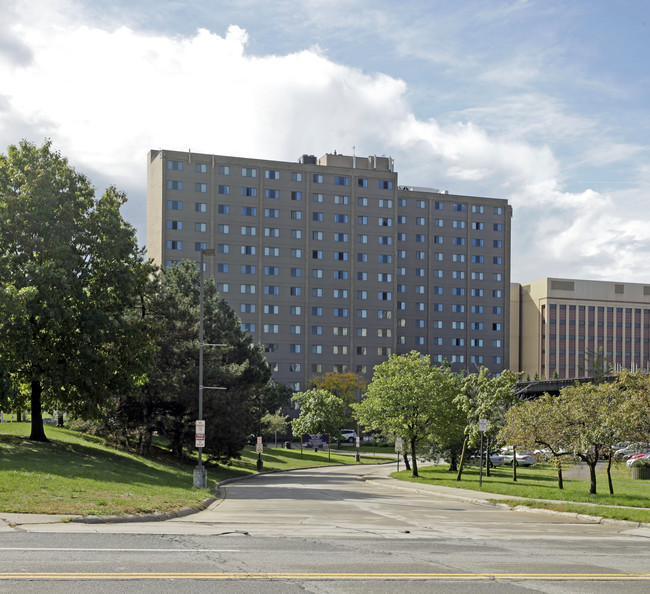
[(543, 102)]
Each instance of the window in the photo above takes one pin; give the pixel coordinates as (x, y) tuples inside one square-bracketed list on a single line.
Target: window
[(174, 245), (477, 259), (419, 272), (341, 199), (174, 185), (248, 327), (401, 237), (249, 191), (340, 218), (456, 308), (175, 165), (317, 197), (268, 231), (295, 310), (401, 202), (200, 227), (271, 193), (498, 210), (223, 248), (248, 269), (362, 182), (419, 255), (268, 289), (272, 174), (343, 256), (362, 276), (221, 267), (361, 220), (477, 292), (497, 243), (317, 178), (458, 325), (362, 313), (317, 311), (249, 211), (420, 204), (458, 291), (477, 208), (317, 330), (271, 328), (385, 222), (202, 188), (295, 291), (176, 205), (221, 208), (498, 227), (458, 224), (438, 290), (340, 293), (458, 274), (478, 242), (384, 296), (477, 326), (296, 215), (317, 254), (385, 240), (317, 235), (175, 225), (385, 258), (362, 201), (477, 309), (316, 292), (247, 308), (497, 293), (271, 347), (268, 251), (383, 203), (477, 276), (361, 257), (296, 253), (341, 180), (317, 216), (341, 237), (272, 213), (295, 329), (385, 184), (271, 309), (295, 272), (340, 274), (497, 260), (339, 349), (200, 245), (296, 195), (458, 241), (458, 258), (317, 273), (248, 172), (362, 239), (459, 207), (317, 349), (340, 312), (296, 176)]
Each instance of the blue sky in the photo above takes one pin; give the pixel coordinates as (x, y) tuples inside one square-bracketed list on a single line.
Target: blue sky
[(544, 103)]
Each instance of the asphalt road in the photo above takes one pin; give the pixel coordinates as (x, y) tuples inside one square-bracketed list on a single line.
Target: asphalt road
[(322, 531)]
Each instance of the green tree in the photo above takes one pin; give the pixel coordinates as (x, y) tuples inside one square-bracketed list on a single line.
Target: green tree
[(274, 423), (533, 423), (407, 397), (484, 396), (76, 339), (168, 402), (320, 412), (347, 386)]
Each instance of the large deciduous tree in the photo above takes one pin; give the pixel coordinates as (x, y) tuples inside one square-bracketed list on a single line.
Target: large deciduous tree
[(409, 398), (320, 412), (75, 339)]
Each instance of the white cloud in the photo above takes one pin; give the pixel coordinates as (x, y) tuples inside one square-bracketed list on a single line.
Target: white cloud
[(106, 95)]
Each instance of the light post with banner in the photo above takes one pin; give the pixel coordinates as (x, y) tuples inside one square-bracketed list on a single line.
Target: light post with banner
[(482, 427)]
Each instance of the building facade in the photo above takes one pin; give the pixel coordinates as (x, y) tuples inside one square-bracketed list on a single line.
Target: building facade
[(332, 265), (563, 326)]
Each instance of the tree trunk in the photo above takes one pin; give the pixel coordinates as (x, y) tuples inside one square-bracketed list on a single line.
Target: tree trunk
[(414, 458), (487, 457), (592, 476), (514, 464), (462, 458), (145, 442), (407, 464), (38, 432), (19, 416), (60, 420), (609, 473), (560, 482), (453, 463)]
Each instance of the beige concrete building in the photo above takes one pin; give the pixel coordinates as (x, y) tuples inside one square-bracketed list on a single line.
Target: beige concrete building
[(332, 265), (558, 325)]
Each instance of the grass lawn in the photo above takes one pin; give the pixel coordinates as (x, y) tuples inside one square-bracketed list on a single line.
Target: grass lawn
[(540, 483), (76, 474)]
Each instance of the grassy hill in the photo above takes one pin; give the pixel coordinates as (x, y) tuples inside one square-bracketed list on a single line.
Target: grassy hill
[(77, 474)]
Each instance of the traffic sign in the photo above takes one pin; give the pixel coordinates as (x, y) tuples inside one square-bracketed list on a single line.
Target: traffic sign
[(259, 448), (200, 426), (358, 441), (399, 444), (200, 440), (482, 425)]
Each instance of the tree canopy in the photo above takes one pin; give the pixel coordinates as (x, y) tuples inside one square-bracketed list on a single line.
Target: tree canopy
[(320, 412), (71, 278), (409, 398)]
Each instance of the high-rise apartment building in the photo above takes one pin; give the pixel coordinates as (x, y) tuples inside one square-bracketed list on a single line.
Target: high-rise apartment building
[(332, 265), (559, 325)]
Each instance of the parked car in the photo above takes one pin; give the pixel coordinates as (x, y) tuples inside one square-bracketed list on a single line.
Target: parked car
[(495, 459), (638, 460), (523, 458), (349, 435)]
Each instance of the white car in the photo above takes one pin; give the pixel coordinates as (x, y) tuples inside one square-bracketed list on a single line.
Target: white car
[(349, 435), (523, 458)]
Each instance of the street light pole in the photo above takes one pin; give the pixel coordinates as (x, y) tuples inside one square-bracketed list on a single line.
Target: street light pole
[(200, 474)]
